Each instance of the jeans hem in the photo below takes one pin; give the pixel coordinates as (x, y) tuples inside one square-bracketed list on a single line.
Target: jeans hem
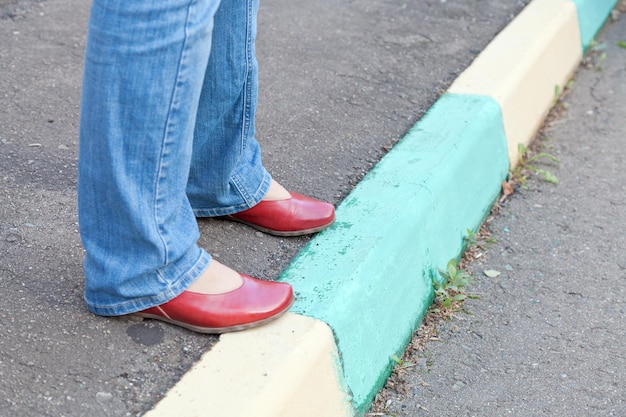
[(224, 211), (138, 304)]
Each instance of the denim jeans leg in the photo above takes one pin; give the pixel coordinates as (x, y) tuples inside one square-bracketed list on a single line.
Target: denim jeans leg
[(145, 64), (226, 174)]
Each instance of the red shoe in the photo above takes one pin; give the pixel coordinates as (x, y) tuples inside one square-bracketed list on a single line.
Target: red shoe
[(255, 303), (295, 216)]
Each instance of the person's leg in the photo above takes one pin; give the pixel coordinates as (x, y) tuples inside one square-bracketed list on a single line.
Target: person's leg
[(144, 68), (227, 176)]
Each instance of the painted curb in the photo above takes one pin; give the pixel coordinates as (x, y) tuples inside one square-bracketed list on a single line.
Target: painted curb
[(283, 369), (592, 14), (369, 276), (525, 67)]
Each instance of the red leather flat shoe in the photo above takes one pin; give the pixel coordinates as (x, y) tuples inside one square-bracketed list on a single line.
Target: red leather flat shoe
[(254, 303), (295, 216)]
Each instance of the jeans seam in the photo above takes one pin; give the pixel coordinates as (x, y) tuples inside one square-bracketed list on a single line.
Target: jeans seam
[(247, 87), (247, 84), (166, 135)]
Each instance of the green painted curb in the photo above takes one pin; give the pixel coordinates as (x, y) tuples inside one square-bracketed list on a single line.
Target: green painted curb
[(369, 276), (591, 15)]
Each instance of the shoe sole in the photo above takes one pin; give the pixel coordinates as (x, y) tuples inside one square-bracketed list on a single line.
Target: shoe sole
[(283, 233), (215, 330)]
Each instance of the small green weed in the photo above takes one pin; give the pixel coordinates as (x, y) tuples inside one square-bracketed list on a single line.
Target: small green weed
[(400, 364), (622, 44), (470, 239), (557, 93), (451, 288), (491, 240), (478, 239), (596, 55), (526, 164), (596, 46)]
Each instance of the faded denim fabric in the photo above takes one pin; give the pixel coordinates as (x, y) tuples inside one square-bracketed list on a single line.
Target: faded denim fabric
[(166, 134)]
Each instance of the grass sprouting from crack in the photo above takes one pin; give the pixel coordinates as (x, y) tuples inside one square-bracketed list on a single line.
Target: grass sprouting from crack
[(450, 290), (527, 165)]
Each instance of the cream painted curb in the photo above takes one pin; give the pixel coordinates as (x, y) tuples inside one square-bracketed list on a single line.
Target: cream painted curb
[(520, 68), (287, 368)]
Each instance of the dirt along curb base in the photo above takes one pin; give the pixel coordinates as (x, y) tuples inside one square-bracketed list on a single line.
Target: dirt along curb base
[(364, 284)]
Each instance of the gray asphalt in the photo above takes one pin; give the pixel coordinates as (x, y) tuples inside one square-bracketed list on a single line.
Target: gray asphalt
[(547, 336), (340, 83)]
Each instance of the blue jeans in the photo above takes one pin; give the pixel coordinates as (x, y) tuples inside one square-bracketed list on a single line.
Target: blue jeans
[(166, 135)]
